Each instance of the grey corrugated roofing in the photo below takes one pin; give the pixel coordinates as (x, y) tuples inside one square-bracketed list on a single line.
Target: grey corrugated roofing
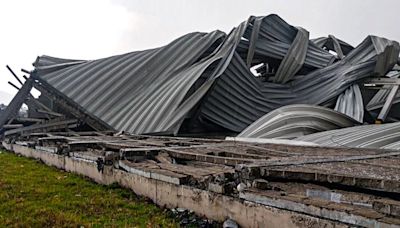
[(332, 43), (350, 102), (138, 92), (385, 136), (294, 58), (293, 121), (206, 77), (238, 98), (45, 64)]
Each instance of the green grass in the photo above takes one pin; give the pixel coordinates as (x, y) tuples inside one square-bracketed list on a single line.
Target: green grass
[(35, 195)]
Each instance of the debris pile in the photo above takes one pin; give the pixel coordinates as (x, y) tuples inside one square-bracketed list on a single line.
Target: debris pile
[(187, 218), (224, 84), (253, 184)]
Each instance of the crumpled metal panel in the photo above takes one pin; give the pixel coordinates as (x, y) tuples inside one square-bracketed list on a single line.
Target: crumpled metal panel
[(140, 92), (333, 44), (272, 37), (294, 58), (47, 64), (350, 102), (293, 121), (386, 136), (206, 76), (315, 58), (238, 98), (388, 54)]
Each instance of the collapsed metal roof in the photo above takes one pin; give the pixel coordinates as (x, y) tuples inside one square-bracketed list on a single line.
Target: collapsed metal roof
[(265, 77), (293, 121), (206, 78)]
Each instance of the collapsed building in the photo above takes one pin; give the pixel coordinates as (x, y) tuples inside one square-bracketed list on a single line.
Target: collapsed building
[(312, 124)]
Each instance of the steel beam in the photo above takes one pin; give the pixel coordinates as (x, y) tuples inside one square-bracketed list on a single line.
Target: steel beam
[(73, 110), (12, 109), (388, 103)]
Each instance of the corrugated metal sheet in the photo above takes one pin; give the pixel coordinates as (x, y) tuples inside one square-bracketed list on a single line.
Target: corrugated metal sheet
[(293, 121), (139, 92), (333, 44), (350, 102), (238, 98), (294, 58), (386, 136), (206, 77), (272, 38), (46, 64)]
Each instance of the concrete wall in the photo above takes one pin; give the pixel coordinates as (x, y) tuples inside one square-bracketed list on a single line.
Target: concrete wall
[(204, 203)]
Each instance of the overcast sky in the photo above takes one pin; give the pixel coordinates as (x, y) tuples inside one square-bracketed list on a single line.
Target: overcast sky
[(90, 29)]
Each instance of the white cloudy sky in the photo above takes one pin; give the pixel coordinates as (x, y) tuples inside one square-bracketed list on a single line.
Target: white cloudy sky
[(89, 29)]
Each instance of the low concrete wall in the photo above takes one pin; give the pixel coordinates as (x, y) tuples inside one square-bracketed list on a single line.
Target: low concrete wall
[(204, 203)]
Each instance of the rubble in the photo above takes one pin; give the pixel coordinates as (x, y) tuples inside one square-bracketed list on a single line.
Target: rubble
[(188, 218), (229, 223), (196, 174)]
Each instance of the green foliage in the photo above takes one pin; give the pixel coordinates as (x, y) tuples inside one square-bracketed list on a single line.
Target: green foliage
[(35, 195)]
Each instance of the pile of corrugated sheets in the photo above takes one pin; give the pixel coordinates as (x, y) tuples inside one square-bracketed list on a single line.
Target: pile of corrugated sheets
[(217, 82)]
